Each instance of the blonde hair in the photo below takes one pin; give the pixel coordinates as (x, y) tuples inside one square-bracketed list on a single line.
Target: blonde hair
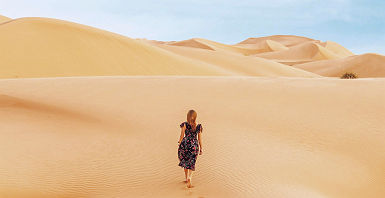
[(191, 117)]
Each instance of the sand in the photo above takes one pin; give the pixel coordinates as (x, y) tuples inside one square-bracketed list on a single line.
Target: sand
[(52, 47), (307, 52), (4, 19), (365, 65), (60, 48), (263, 136), (287, 40), (90, 113)]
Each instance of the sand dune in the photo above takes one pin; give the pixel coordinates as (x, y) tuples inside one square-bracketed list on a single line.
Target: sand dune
[(192, 43), (261, 47), (4, 19), (248, 66), (337, 48), (212, 45), (366, 65), (51, 47), (307, 52), (263, 137), (287, 40), (275, 46)]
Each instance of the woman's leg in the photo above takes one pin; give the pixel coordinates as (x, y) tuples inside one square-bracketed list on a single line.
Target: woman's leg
[(185, 173), (189, 173)]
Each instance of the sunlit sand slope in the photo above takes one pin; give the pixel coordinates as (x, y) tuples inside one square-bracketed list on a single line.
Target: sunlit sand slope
[(262, 137), (43, 47)]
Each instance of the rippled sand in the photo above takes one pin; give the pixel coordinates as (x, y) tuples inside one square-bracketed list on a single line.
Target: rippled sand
[(263, 137)]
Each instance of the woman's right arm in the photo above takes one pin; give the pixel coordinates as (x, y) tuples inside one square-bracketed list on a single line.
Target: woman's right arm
[(200, 141), (181, 134)]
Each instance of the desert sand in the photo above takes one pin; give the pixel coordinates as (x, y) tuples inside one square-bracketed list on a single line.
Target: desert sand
[(90, 113), (4, 19), (365, 65), (60, 48)]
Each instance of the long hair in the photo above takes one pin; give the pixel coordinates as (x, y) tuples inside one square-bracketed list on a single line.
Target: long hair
[(191, 117)]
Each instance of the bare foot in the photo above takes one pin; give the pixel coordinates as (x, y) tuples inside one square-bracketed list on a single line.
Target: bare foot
[(189, 183)]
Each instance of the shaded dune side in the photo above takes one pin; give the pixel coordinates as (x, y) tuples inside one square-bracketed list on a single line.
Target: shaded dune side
[(263, 144), (244, 65), (366, 65), (52, 47)]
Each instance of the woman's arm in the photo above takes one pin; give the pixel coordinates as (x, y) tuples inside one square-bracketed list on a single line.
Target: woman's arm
[(200, 142), (181, 134)]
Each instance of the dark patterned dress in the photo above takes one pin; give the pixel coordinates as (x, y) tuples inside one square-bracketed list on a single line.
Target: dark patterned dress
[(189, 148)]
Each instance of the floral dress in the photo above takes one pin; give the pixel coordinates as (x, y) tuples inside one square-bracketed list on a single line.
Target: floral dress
[(189, 148)]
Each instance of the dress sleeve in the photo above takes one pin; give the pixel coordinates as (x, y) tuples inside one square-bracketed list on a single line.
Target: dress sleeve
[(200, 128), (181, 125)]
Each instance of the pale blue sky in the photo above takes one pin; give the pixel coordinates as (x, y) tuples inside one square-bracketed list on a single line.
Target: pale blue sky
[(357, 24)]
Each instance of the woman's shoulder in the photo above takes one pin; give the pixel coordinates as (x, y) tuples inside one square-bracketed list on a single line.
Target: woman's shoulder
[(183, 123)]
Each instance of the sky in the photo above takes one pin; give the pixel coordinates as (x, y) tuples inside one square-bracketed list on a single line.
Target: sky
[(356, 24)]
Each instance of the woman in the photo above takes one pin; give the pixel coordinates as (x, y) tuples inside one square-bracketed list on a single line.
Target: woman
[(188, 147)]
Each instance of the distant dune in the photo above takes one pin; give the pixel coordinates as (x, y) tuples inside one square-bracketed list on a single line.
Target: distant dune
[(263, 137), (52, 47), (287, 40), (237, 63), (366, 65), (192, 43), (307, 52)]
